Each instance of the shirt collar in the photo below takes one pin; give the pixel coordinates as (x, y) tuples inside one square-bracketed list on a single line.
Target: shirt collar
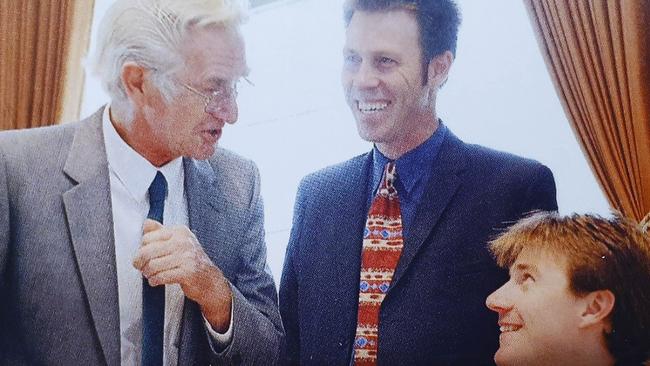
[(134, 171), (411, 166)]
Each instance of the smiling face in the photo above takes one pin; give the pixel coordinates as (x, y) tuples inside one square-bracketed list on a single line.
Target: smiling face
[(539, 316), (213, 58), (382, 80)]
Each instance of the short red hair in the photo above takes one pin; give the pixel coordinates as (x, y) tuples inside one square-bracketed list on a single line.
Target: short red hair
[(601, 254)]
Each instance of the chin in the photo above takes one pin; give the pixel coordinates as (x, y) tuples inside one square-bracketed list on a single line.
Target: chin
[(204, 153), (369, 132), (505, 358), (366, 136), (501, 358)]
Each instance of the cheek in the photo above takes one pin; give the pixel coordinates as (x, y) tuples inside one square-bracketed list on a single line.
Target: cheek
[(183, 121), (153, 116), (345, 79), (160, 123), (551, 316), (346, 84)]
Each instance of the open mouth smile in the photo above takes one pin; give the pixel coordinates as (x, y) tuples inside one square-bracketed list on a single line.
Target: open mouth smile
[(507, 328), (372, 107)]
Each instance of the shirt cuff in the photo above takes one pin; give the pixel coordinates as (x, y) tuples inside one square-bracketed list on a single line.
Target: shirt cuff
[(221, 340)]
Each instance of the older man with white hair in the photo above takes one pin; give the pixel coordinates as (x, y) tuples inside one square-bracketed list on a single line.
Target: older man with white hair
[(129, 237)]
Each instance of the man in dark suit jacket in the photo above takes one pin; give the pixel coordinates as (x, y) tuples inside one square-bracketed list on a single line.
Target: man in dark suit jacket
[(453, 198), (79, 261)]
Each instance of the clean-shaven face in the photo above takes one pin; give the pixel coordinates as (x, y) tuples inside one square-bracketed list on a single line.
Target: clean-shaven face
[(538, 315), (213, 57), (382, 76)]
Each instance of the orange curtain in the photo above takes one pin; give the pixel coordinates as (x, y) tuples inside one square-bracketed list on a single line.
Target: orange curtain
[(41, 46), (597, 52)]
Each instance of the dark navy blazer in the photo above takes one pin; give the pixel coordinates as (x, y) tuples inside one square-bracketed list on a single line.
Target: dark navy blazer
[(434, 312)]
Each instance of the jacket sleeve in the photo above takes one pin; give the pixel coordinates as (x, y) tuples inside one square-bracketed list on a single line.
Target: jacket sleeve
[(4, 252), (541, 193), (257, 329), (4, 220)]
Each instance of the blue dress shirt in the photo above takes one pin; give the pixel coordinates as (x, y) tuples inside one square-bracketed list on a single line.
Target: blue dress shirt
[(413, 172)]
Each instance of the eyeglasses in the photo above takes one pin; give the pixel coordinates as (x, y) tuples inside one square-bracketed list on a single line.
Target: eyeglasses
[(218, 96)]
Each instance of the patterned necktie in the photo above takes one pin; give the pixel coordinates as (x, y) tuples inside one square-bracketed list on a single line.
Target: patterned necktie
[(153, 298), (382, 248)]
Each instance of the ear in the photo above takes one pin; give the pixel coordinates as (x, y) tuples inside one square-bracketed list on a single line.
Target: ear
[(438, 69), (133, 80), (598, 306)]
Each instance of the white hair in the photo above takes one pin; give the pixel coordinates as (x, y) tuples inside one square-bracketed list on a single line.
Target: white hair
[(150, 33)]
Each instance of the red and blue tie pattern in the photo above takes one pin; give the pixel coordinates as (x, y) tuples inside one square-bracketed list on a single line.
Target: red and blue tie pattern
[(382, 248)]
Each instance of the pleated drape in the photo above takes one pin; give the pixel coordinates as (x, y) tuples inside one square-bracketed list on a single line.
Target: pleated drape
[(41, 47), (597, 53)]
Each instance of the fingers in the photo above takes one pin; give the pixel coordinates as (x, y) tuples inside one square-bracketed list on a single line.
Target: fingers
[(151, 225), (167, 277), (152, 251), (172, 255), (160, 241), (161, 264), (154, 243), (160, 234)]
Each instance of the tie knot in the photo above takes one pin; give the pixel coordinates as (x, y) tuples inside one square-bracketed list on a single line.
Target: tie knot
[(387, 187), (158, 188)]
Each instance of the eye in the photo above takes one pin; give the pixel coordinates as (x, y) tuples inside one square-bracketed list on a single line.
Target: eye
[(526, 277), (384, 61), (351, 59)]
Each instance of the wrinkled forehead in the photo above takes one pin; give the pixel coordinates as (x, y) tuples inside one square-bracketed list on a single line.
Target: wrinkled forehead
[(214, 52)]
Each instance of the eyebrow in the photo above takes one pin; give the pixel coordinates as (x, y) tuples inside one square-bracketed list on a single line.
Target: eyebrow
[(375, 53), (220, 80), (524, 267)]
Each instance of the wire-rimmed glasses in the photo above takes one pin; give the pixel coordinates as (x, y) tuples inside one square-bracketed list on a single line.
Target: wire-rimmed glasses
[(217, 97)]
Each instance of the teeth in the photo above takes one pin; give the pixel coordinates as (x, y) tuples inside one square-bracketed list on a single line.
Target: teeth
[(509, 328), (371, 107)]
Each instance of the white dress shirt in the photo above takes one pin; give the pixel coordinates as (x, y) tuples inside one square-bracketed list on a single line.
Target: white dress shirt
[(130, 178)]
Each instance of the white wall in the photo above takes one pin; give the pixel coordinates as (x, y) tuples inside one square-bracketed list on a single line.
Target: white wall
[(295, 121)]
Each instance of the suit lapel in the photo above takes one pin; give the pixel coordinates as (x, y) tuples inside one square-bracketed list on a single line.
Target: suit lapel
[(203, 199), (89, 214), (352, 210), (440, 190), (202, 194), (206, 209)]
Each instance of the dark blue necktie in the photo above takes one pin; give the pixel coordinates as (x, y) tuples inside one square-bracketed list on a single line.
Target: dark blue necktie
[(153, 298)]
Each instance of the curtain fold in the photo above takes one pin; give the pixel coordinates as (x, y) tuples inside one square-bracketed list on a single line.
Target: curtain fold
[(41, 46), (597, 53)]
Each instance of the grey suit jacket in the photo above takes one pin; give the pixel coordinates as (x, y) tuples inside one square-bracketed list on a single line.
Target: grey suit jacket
[(58, 280)]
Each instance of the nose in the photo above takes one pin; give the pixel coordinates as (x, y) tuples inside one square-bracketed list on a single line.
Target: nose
[(365, 76), (227, 110), (498, 301)]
